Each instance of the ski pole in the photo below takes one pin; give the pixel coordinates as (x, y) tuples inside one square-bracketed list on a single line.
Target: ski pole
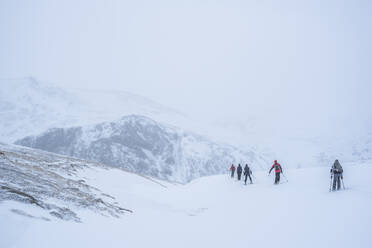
[(343, 185), (330, 184)]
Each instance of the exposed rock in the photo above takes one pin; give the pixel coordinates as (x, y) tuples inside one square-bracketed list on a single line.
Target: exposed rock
[(49, 182)]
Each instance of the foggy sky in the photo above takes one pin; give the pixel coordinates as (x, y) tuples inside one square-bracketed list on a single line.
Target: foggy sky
[(299, 66)]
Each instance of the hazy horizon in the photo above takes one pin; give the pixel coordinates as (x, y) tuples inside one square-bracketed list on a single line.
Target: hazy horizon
[(288, 68)]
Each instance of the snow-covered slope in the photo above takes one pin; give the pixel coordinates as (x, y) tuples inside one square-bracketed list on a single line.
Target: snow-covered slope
[(48, 186), (28, 106), (144, 146), (214, 211)]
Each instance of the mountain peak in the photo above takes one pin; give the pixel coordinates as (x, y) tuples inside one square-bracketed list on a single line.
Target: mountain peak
[(29, 107)]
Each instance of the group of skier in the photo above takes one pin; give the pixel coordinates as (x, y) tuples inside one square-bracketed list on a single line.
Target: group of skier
[(239, 170), (336, 174)]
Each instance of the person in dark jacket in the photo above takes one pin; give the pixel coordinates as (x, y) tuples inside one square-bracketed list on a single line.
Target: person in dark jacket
[(239, 170), (247, 173), (337, 174), (278, 170), (232, 169)]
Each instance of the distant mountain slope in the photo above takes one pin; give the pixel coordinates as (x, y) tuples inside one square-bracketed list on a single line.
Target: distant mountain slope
[(28, 107), (52, 183), (144, 146)]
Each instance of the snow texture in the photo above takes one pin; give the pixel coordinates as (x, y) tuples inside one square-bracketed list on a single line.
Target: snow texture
[(214, 211)]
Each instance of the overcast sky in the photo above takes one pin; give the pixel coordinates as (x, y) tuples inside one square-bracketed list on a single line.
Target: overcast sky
[(295, 64)]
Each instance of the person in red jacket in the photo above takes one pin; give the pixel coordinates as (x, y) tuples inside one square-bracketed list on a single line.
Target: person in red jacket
[(232, 168), (278, 170)]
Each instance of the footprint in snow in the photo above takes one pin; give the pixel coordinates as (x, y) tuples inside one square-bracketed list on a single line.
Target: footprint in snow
[(197, 211)]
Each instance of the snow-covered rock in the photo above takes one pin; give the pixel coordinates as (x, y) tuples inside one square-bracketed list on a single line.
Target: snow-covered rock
[(145, 146), (51, 183)]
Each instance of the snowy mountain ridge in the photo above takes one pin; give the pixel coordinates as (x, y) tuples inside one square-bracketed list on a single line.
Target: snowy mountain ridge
[(29, 107), (144, 146)]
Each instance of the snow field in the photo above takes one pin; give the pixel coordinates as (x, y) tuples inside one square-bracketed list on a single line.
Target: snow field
[(214, 211)]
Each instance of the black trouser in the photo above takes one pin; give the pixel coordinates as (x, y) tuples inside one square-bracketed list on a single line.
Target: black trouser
[(277, 178), (232, 173), (336, 181), (246, 177), (239, 176)]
